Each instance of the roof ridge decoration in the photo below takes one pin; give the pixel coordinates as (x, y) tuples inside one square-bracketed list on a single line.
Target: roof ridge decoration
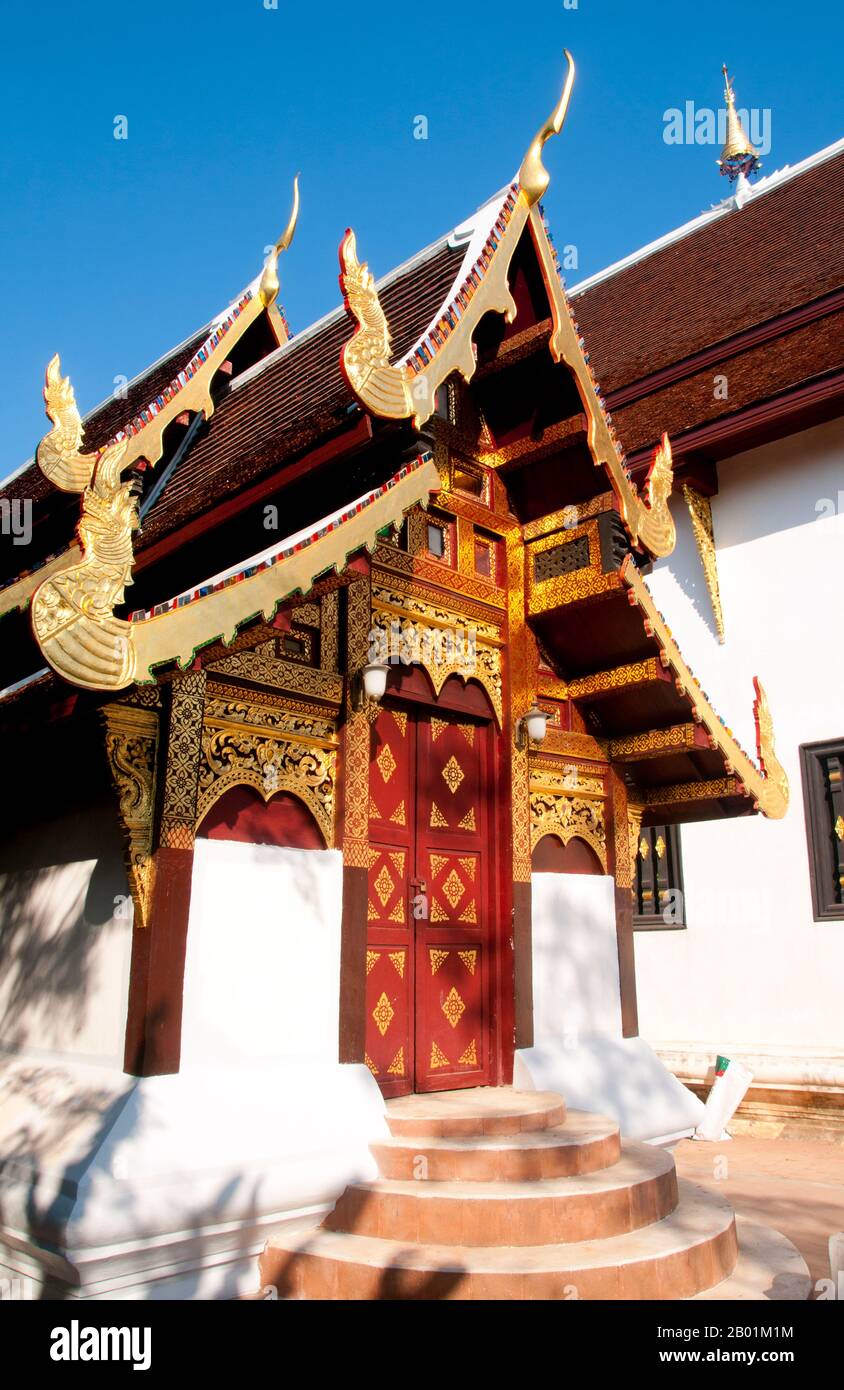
[(766, 784), (73, 609), (408, 388)]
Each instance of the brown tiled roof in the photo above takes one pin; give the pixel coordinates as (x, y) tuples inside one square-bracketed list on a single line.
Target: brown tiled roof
[(782, 249), (757, 375)]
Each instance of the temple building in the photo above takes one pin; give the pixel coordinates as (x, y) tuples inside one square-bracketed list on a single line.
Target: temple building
[(339, 704)]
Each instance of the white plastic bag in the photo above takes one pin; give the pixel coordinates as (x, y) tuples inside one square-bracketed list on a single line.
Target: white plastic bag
[(728, 1091)]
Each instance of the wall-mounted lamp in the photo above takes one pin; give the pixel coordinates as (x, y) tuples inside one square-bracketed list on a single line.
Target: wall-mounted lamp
[(369, 684), (531, 728)]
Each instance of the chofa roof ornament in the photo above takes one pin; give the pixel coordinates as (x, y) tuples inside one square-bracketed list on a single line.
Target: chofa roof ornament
[(396, 391)]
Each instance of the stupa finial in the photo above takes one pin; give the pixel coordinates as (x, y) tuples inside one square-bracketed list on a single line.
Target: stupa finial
[(738, 157)]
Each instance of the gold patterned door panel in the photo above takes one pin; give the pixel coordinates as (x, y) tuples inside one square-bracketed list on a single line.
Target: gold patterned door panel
[(452, 1004), (389, 955)]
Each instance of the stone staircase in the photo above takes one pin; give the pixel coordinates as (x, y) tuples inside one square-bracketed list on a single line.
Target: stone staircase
[(500, 1194)]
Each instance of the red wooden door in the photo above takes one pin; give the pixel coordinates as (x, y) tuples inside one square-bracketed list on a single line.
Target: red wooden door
[(432, 911)]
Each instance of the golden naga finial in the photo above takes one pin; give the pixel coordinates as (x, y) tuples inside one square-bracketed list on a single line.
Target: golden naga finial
[(738, 156), (533, 176), (58, 453), (365, 358), (654, 523), (268, 288), (775, 795)]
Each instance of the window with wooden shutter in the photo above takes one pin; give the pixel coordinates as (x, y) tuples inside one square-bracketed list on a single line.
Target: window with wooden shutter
[(822, 766), (659, 901)]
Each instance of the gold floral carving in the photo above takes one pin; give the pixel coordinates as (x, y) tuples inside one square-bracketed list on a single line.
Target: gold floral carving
[(453, 1007), (424, 630), (631, 673), (437, 959), (438, 1058), (132, 748), (383, 1013), (271, 760), (567, 817), (453, 774), (623, 857), (635, 812), (653, 743), (329, 630), (714, 789), (265, 667), (568, 517), (357, 731), (181, 769), (523, 660), (469, 1057), (700, 511)]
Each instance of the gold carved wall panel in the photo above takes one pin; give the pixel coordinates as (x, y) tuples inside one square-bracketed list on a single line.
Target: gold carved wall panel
[(132, 749)]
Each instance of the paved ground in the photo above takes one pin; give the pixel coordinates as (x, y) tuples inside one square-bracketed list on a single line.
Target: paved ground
[(794, 1185)]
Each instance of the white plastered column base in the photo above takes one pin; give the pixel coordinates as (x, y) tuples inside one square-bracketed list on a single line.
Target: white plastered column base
[(578, 1047), (113, 1186)]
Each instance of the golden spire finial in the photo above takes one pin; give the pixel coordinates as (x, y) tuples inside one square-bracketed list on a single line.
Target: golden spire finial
[(533, 176), (739, 156), (268, 288)]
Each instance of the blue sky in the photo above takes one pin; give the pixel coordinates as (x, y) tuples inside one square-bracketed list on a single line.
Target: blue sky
[(115, 250)]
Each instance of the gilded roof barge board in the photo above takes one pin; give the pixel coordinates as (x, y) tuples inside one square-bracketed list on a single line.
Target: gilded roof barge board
[(178, 634)]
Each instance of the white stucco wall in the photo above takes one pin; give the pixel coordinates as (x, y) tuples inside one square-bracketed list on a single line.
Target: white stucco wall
[(578, 1048), (262, 973), (65, 942), (753, 970)]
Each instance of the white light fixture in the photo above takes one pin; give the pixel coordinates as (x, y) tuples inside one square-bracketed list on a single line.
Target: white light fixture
[(532, 727), (370, 684), (375, 680)]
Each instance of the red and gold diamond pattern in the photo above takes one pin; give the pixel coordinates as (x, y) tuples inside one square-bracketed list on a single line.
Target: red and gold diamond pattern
[(389, 774), (454, 1018), (387, 884), (453, 888), (453, 776)]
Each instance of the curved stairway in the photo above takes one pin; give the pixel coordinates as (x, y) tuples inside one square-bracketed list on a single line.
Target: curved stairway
[(501, 1194)]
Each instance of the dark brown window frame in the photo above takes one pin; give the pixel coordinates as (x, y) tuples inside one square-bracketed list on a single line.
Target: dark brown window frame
[(654, 921), (820, 828)]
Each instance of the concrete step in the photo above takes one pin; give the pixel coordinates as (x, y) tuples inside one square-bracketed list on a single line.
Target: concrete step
[(476, 1111), (769, 1269), (638, 1190), (581, 1144), (692, 1249)]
